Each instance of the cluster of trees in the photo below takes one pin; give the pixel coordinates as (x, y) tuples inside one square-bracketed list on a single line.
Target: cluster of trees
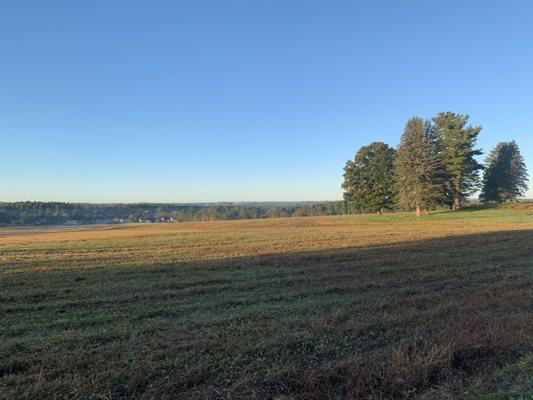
[(58, 213), (434, 165)]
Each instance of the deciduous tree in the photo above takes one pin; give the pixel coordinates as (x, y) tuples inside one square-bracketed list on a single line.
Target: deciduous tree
[(369, 178)]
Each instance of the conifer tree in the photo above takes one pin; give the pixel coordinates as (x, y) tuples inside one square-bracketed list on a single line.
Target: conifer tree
[(419, 169), (505, 177), (369, 178), (458, 142)]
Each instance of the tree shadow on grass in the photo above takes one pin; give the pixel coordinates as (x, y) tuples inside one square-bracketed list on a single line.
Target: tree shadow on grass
[(419, 319), (476, 207)]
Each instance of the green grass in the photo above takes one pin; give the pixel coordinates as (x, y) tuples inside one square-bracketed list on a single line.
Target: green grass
[(439, 308), (509, 215)]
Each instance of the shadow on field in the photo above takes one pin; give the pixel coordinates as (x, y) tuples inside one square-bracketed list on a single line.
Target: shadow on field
[(422, 319), (476, 207)]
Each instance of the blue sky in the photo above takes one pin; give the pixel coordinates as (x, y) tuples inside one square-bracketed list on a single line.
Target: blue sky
[(173, 101)]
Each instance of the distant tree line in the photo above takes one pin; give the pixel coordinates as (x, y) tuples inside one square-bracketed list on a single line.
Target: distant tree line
[(434, 166), (58, 213)]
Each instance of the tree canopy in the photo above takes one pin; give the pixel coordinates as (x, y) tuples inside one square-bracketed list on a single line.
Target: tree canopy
[(434, 165), (369, 179), (419, 167), (505, 178), (458, 141)]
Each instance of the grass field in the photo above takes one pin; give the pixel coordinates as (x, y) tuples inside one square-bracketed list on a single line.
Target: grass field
[(364, 307)]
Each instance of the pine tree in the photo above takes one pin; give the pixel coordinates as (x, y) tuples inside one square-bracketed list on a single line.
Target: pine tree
[(458, 141), (369, 178), (505, 177), (419, 169)]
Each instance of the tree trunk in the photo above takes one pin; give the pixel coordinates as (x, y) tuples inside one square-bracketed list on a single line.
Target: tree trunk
[(418, 211), (457, 203)]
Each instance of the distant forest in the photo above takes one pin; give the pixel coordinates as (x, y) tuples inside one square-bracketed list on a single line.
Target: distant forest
[(58, 213)]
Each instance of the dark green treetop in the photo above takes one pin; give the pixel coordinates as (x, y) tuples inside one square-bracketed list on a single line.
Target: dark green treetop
[(419, 168), (458, 140), (369, 179), (505, 178)]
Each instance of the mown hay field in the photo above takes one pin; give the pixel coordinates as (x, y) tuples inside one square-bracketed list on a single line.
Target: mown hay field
[(358, 307)]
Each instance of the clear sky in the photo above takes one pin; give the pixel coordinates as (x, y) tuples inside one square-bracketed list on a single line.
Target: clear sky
[(184, 101)]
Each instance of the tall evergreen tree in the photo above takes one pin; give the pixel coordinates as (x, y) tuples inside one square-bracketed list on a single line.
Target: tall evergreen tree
[(369, 178), (458, 141), (505, 177), (419, 169)]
